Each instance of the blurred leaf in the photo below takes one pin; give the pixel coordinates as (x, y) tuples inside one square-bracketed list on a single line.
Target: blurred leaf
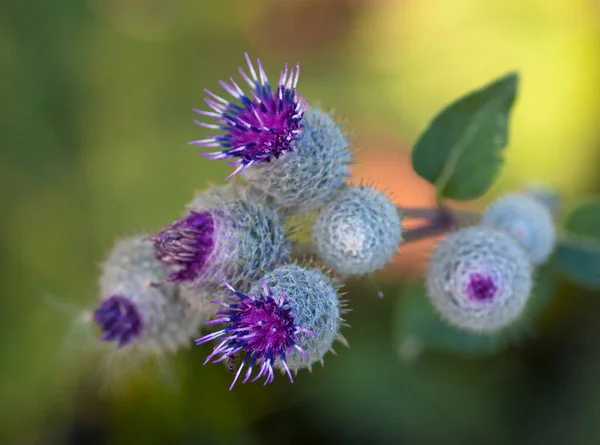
[(419, 327), (578, 252), (460, 151)]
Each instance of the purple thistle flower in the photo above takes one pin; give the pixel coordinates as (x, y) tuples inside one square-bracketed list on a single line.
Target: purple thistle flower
[(263, 127), (119, 319), (263, 327), (188, 242), (481, 287)]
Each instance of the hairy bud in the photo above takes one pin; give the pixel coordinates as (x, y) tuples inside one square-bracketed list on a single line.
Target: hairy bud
[(137, 307), (358, 232), (220, 238), (479, 279), (310, 176), (315, 306)]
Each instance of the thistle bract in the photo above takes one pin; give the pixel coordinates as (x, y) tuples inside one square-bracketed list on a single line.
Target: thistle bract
[(261, 327), (315, 306), (526, 219), (479, 279), (310, 176), (231, 239), (262, 126), (137, 307), (358, 232), (187, 243)]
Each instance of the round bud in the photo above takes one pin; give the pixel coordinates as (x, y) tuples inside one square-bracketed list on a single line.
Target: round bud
[(479, 279), (358, 232), (137, 306), (223, 237), (527, 220), (315, 307), (310, 176)]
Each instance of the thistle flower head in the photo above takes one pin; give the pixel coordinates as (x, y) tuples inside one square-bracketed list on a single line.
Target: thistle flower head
[(222, 237), (479, 279), (119, 319), (316, 307), (262, 125), (358, 232), (138, 307), (261, 327), (312, 175), (186, 243)]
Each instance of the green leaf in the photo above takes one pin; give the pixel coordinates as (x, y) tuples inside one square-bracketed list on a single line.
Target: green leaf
[(460, 152), (418, 327), (578, 252)]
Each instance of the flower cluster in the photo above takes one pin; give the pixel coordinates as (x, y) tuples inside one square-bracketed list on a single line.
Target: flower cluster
[(233, 257)]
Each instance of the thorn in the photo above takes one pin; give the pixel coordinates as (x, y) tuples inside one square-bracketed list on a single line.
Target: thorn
[(343, 340)]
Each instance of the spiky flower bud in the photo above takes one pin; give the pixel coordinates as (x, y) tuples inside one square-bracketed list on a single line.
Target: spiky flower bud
[(137, 307), (310, 176), (479, 279), (289, 321), (527, 220), (232, 239), (315, 306), (261, 327), (358, 232), (257, 128)]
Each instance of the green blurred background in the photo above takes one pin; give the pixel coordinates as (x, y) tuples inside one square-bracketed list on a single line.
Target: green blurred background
[(95, 112)]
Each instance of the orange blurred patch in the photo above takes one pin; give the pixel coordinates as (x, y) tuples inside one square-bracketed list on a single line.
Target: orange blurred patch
[(309, 27), (384, 161)]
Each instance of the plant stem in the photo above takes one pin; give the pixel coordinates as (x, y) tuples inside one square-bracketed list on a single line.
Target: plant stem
[(440, 220)]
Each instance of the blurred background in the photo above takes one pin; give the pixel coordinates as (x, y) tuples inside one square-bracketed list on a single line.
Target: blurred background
[(95, 113)]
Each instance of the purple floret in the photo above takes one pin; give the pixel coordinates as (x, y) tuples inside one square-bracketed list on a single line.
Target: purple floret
[(187, 243), (119, 319), (259, 128), (481, 287), (263, 327)]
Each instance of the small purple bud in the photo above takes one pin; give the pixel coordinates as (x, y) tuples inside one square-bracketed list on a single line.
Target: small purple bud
[(119, 319), (260, 126), (262, 327), (479, 279), (481, 287), (187, 243)]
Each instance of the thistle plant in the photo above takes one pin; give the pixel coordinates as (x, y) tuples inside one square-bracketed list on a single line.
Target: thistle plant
[(234, 258)]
